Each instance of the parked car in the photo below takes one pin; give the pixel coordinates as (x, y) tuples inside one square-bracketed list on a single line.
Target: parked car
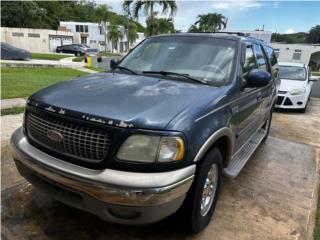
[(10, 52), (76, 49), (295, 87), (92, 52), (155, 135)]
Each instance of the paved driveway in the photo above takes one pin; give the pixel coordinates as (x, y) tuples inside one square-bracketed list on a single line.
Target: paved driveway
[(274, 197)]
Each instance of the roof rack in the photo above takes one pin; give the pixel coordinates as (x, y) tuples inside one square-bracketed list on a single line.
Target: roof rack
[(241, 34)]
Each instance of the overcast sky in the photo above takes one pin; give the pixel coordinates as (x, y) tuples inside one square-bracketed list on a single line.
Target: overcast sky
[(276, 16)]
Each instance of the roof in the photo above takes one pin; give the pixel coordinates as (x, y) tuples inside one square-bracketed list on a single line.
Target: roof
[(291, 64), (224, 35)]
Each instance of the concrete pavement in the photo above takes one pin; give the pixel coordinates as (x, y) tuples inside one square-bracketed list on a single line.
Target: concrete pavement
[(274, 197)]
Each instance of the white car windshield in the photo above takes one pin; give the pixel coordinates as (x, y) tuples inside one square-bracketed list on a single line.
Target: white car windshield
[(292, 73), (204, 58)]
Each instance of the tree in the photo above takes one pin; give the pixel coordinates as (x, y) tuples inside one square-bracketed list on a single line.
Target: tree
[(132, 32), (194, 28), (102, 12), (114, 35), (159, 26), (314, 35), (211, 22), (134, 7)]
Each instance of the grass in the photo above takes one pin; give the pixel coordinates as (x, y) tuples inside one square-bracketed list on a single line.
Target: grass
[(315, 73), (78, 59), (22, 82), (48, 56), (109, 54), (14, 110), (316, 233)]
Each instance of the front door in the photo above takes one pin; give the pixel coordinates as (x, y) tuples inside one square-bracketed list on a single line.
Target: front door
[(247, 111)]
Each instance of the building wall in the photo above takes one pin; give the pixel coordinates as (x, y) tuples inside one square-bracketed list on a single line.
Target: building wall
[(34, 40), (286, 52)]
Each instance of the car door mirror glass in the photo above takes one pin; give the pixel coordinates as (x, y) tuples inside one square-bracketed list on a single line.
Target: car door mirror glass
[(113, 64), (313, 78)]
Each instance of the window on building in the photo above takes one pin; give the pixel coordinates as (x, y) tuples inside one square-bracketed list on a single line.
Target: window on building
[(81, 28), (100, 30), (276, 52), (297, 54), (86, 28), (77, 28), (17, 34), (102, 43), (260, 57), (35, 35)]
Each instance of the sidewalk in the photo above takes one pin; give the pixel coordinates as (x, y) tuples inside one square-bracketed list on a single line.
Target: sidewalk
[(13, 102)]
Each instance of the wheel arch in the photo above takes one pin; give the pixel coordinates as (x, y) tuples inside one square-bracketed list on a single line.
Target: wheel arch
[(224, 140)]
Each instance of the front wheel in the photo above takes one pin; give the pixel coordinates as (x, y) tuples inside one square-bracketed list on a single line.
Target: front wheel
[(202, 198)]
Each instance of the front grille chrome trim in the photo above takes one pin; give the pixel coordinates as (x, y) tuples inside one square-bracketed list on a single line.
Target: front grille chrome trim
[(78, 141)]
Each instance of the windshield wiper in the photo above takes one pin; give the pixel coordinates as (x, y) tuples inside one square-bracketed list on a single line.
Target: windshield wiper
[(185, 75), (126, 69)]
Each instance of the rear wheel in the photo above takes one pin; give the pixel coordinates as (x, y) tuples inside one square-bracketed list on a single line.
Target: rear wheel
[(202, 198)]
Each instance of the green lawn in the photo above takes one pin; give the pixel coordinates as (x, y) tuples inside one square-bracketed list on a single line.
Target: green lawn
[(48, 56), (78, 59), (22, 82), (317, 227), (315, 73), (14, 110)]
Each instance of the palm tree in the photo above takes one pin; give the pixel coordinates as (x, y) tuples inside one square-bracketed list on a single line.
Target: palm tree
[(132, 32), (102, 12), (114, 35), (194, 28), (134, 7), (211, 22), (159, 26)]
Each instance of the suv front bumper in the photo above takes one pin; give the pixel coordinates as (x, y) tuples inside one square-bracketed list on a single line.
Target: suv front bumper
[(115, 196)]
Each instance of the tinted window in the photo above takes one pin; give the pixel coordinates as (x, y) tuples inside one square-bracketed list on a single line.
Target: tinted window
[(292, 73), (272, 56), (260, 57), (250, 60)]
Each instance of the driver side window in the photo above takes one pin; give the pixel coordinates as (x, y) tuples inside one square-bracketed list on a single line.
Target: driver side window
[(250, 61)]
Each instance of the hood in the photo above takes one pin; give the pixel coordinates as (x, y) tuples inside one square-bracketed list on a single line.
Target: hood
[(288, 85), (124, 100)]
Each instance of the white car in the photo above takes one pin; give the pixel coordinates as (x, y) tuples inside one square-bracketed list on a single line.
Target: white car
[(295, 87)]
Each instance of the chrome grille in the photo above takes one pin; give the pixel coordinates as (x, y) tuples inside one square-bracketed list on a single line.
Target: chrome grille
[(77, 141)]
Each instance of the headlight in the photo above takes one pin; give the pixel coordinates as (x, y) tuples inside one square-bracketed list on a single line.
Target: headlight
[(298, 91), (151, 149)]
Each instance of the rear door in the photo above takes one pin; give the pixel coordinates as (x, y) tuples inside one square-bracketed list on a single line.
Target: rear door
[(248, 105)]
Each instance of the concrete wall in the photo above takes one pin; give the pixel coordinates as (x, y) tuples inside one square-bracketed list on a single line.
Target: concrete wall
[(33, 40), (286, 52)]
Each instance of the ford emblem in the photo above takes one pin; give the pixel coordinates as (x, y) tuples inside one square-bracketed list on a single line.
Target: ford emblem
[(55, 136)]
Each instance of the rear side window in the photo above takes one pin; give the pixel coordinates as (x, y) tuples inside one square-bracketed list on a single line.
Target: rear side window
[(262, 63), (272, 56), (250, 60)]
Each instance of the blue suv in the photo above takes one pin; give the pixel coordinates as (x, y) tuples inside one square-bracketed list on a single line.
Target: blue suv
[(153, 136)]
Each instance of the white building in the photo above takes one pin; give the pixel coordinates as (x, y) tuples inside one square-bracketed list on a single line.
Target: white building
[(36, 40), (308, 54), (92, 34)]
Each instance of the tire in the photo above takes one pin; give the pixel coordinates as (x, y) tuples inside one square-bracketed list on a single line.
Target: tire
[(77, 54), (194, 217), (267, 125)]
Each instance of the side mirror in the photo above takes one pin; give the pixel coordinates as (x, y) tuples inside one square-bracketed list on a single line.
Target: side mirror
[(258, 78), (313, 78), (113, 64)]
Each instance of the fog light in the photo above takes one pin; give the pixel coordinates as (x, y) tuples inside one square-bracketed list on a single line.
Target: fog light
[(124, 213), (299, 103)]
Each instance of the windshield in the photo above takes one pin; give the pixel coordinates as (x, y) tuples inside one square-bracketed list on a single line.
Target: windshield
[(292, 73), (205, 58)]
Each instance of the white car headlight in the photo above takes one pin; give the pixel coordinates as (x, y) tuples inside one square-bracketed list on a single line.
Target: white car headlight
[(298, 91), (151, 149)]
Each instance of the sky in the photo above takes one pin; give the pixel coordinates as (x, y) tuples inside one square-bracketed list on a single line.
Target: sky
[(276, 16)]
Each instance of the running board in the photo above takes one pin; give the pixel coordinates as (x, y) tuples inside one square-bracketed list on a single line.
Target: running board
[(243, 155)]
